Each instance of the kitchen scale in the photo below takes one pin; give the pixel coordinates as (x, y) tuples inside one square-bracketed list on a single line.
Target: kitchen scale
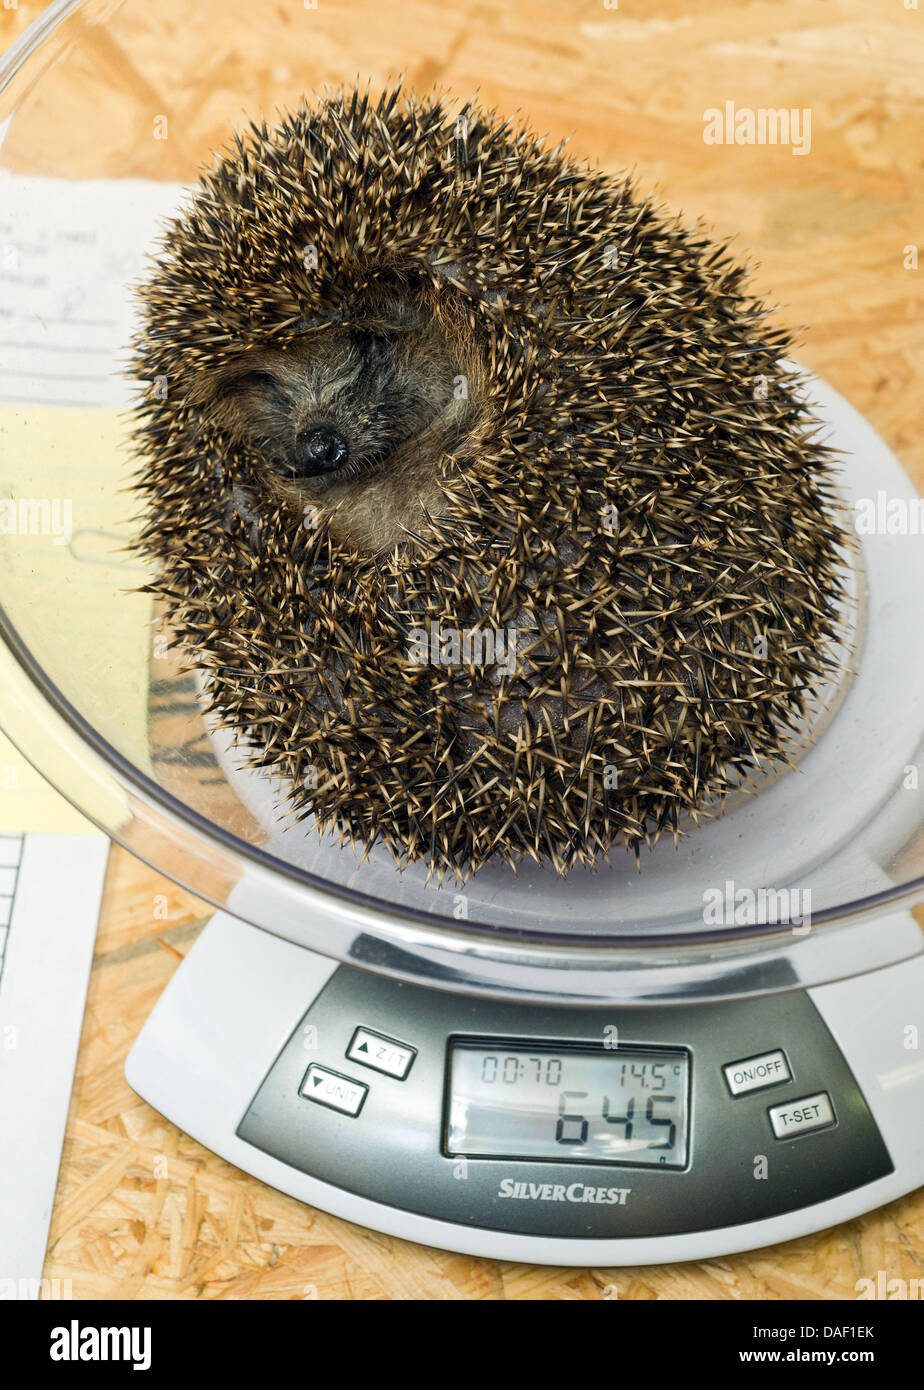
[(720, 1051), (529, 1093)]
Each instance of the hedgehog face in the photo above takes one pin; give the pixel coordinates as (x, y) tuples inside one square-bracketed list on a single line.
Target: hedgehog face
[(355, 415)]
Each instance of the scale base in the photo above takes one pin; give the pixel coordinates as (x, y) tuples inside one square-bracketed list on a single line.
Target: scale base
[(230, 1011)]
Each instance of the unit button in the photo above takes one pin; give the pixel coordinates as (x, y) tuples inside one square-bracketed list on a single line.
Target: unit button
[(381, 1053), (330, 1088), (801, 1116), (754, 1073)]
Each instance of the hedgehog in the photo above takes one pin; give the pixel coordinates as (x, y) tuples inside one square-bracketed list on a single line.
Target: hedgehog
[(478, 488)]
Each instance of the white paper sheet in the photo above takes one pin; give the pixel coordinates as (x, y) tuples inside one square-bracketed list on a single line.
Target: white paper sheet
[(69, 251), (50, 890)]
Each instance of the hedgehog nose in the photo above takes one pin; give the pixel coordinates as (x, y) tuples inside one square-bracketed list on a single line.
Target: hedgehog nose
[(319, 450)]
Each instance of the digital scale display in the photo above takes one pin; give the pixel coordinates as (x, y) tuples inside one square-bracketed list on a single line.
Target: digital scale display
[(578, 1105)]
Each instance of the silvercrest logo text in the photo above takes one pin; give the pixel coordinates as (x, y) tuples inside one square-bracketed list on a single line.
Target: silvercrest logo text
[(558, 1192)]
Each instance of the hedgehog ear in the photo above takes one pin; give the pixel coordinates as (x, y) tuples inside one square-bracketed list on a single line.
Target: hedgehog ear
[(390, 309)]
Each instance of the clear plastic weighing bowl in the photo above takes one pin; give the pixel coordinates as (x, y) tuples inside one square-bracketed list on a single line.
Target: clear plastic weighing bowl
[(106, 113)]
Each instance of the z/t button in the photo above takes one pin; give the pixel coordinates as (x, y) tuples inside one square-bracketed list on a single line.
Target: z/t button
[(381, 1053)]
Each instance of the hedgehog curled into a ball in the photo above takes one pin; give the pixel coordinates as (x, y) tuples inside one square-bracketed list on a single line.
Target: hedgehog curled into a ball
[(478, 489)]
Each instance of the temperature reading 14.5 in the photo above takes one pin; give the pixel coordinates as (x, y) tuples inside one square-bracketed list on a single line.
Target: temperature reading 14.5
[(574, 1104)]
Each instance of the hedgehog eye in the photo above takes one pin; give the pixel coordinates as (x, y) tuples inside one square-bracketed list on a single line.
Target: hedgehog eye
[(368, 340), (259, 380)]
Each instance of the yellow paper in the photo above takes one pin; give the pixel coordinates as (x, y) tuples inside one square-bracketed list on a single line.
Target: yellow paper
[(66, 589)]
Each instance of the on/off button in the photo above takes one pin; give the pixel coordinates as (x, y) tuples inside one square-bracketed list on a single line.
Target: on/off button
[(754, 1073)]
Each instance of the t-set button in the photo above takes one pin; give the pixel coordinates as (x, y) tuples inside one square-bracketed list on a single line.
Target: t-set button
[(802, 1116)]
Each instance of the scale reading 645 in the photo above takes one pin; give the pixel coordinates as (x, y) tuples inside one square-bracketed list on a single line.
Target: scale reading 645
[(568, 1104)]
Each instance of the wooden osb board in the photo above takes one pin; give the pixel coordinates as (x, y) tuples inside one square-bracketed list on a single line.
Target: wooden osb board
[(141, 1210)]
